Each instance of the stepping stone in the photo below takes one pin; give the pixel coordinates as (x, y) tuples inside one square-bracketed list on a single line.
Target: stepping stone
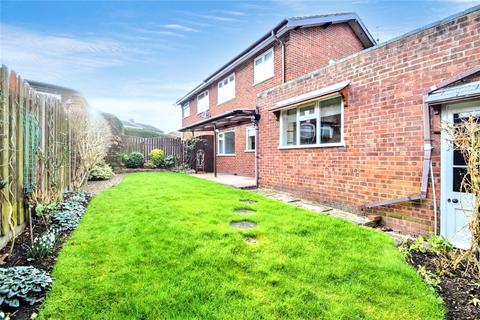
[(248, 201), (244, 211), (243, 225), (251, 240)]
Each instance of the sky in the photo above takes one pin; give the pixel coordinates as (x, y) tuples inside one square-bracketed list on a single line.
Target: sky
[(135, 59)]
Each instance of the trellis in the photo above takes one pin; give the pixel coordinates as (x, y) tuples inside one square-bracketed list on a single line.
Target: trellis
[(34, 149)]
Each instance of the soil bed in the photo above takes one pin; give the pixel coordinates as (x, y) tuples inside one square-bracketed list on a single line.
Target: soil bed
[(457, 291), (19, 257)]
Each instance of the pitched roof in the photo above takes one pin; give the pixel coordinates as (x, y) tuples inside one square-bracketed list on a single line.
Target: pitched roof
[(458, 92), (281, 28)]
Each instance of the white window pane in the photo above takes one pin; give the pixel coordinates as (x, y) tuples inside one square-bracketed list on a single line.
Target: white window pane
[(268, 56), (229, 142), (308, 131), (307, 111), (289, 135), (258, 62), (331, 120)]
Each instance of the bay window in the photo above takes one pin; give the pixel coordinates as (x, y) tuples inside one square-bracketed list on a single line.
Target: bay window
[(318, 123), (226, 143)]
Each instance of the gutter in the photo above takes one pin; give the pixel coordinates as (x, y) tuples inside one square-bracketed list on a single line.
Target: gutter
[(427, 147)]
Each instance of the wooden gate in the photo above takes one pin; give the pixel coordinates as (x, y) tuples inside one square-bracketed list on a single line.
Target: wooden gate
[(204, 149)]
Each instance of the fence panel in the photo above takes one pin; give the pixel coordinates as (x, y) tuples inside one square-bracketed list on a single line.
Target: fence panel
[(34, 148), (171, 146)]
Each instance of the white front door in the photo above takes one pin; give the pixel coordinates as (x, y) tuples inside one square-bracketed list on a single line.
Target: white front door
[(456, 205)]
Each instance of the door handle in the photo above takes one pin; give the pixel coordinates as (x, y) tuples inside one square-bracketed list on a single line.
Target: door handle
[(455, 200)]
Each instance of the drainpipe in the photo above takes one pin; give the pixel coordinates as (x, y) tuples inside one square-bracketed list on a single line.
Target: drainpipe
[(283, 54), (257, 156), (214, 150)]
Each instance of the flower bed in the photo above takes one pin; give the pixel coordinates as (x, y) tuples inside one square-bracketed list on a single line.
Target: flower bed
[(25, 273)]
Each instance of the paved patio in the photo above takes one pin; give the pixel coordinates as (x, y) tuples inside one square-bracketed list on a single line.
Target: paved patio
[(240, 182)]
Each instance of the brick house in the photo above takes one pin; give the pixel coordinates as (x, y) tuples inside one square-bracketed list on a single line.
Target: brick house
[(355, 125)]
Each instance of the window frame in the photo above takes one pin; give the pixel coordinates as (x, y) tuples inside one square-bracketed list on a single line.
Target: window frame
[(219, 102), (186, 106), (247, 136), (317, 117), (223, 139), (268, 76), (207, 96)]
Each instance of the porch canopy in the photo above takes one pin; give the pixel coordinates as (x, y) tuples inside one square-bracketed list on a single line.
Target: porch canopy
[(225, 120), (459, 92)]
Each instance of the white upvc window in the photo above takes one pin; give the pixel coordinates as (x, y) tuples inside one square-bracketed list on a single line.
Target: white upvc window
[(202, 102), (314, 124), (263, 67), (226, 143), (250, 139), (186, 109), (226, 89)]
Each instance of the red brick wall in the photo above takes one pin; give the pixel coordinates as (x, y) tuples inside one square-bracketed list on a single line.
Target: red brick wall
[(310, 48), (383, 155), (305, 50), (243, 163)]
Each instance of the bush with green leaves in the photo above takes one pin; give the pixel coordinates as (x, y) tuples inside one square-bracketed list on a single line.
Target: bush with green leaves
[(70, 210), (169, 161), (42, 209), (101, 171), (157, 156), (135, 160), (43, 244), (22, 284), (149, 165)]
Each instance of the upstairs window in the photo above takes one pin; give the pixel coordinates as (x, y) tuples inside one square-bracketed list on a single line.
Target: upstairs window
[(315, 124), (226, 143), (202, 102), (186, 109), (250, 143), (226, 89), (263, 67)]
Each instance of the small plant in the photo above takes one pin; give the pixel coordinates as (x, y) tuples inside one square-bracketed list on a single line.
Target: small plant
[(135, 160), (22, 284), (101, 171), (149, 165), (169, 161), (157, 156), (45, 208), (430, 278), (44, 244)]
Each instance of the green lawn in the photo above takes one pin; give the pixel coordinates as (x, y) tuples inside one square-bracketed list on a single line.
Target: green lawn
[(159, 246)]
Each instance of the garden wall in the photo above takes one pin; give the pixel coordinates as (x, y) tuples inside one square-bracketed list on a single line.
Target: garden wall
[(34, 149)]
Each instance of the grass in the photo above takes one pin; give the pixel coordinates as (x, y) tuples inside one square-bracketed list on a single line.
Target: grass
[(159, 246)]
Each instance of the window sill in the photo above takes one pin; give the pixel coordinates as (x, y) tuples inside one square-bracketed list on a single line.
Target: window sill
[(226, 155), (249, 151), (326, 145), (203, 111), (262, 81)]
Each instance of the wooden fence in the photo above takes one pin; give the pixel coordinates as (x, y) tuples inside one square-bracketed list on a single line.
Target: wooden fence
[(34, 149), (171, 146)]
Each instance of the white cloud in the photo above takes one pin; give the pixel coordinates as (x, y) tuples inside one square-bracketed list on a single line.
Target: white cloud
[(159, 113), (179, 27), (53, 57), (219, 18)]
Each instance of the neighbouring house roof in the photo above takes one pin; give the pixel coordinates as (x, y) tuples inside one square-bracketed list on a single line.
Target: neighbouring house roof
[(309, 96), (459, 92), (51, 88), (280, 29), (225, 120)]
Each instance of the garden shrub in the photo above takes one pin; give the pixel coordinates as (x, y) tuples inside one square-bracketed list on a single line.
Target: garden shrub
[(169, 161), (101, 171), (149, 165), (45, 208), (70, 210), (22, 284), (43, 245), (135, 160), (157, 156)]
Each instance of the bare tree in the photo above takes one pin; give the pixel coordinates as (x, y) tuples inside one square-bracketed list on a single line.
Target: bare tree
[(91, 138), (465, 137)]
